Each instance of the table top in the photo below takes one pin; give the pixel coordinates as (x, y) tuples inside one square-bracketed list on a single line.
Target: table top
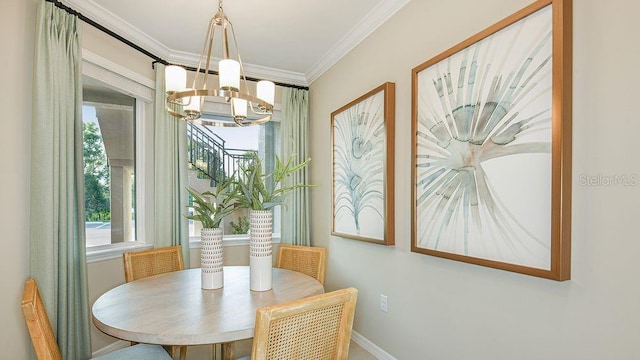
[(173, 309)]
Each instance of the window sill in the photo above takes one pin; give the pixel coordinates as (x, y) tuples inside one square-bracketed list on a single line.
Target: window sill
[(113, 251)]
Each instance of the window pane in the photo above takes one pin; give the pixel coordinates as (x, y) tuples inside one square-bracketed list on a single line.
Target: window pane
[(218, 151), (109, 165)]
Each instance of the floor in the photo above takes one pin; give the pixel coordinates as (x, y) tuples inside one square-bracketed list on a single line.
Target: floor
[(243, 348)]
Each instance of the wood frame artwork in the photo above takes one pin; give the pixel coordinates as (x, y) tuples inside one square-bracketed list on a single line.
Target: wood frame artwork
[(362, 158), (491, 146)]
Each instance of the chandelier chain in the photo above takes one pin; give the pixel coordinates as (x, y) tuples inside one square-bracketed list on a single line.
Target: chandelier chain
[(219, 5)]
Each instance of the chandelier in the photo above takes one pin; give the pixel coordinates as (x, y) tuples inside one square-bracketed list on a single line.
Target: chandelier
[(186, 103)]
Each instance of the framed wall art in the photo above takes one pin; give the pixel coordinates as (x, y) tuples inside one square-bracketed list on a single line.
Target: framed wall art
[(491, 146), (362, 147)]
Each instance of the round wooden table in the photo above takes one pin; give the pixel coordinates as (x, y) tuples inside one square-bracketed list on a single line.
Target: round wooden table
[(172, 309)]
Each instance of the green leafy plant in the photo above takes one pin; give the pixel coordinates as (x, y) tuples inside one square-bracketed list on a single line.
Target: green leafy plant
[(241, 227), (259, 191), (210, 214)]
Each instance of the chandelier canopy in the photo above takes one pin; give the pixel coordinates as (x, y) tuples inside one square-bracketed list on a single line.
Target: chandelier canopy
[(186, 103)]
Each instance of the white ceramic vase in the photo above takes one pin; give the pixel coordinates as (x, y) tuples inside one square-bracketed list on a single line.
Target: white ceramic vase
[(260, 249), (211, 258)]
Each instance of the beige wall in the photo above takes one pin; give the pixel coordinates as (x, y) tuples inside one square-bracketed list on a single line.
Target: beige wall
[(440, 309), (17, 23), (114, 50), (437, 309)]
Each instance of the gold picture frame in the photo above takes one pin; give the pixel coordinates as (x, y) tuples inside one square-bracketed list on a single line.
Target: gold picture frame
[(491, 146), (362, 158)]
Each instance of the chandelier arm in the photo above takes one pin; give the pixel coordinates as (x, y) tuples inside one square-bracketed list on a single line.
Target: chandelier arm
[(212, 33), (260, 111), (242, 75), (208, 35), (225, 39)]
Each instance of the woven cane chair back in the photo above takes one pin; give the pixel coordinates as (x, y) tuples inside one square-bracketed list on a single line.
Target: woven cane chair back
[(314, 328), (308, 260), (140, 264)]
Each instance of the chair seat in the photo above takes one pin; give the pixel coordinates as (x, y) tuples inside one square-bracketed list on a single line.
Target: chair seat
[(137, 352)]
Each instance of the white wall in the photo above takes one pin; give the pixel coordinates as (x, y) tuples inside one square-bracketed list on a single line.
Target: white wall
[(441, 309), (17, 24)]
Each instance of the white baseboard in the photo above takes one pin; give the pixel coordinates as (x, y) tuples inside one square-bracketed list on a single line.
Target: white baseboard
[(120, 344), (370, 347)]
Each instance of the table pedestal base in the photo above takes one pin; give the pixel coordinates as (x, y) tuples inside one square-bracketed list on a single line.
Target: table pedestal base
[(228, 351)]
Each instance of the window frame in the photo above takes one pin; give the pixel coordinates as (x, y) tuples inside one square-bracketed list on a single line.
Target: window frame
[(141, 89)]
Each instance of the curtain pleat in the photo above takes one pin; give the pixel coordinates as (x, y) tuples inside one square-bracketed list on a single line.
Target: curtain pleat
[(171, 199), (295, 140), (57, 233)]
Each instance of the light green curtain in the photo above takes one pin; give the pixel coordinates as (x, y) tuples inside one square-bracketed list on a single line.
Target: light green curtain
[(294, 132), (57, 235), (171, 201)]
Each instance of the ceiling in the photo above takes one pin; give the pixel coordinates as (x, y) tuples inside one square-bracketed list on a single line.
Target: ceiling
[(290, 41)]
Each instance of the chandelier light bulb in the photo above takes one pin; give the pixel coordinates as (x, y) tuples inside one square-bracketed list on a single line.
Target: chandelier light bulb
[(175, 78), (193, 106), (239, 108), (229, 73), (265, 91)]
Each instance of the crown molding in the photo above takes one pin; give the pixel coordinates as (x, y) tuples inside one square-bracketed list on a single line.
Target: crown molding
[(114, 23), (376, 17)]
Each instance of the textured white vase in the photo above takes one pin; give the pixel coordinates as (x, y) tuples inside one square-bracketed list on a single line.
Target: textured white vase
[(211, 258), (260, 249)]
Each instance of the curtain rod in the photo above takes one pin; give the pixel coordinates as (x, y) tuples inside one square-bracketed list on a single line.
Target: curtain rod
[(156, 59)]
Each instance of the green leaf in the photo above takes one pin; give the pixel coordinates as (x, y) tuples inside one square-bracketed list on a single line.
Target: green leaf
[(260, 191), (211, 214)]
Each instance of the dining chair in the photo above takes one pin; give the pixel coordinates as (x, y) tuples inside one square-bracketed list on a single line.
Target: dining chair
[(44, 341), (313, 328), (308, 260), (142, 263)]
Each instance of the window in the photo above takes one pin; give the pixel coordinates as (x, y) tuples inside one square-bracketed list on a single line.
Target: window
[(213, 151), (109, 134)]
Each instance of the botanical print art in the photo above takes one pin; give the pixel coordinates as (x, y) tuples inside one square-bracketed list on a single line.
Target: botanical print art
[(359, 169), (483, 147)]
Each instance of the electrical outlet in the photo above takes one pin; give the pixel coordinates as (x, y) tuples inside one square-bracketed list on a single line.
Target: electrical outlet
[(384, 303)]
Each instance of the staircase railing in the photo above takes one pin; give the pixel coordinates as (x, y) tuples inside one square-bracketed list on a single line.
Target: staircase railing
[(207, 154)]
